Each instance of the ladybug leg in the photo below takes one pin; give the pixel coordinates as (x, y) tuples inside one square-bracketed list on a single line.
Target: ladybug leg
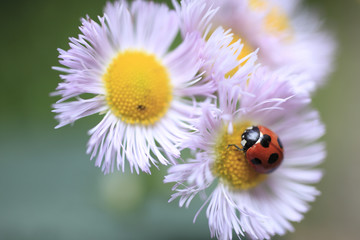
[(237, 147)]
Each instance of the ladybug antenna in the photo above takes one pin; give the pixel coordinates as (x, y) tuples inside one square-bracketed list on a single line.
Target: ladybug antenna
[(237, 147)]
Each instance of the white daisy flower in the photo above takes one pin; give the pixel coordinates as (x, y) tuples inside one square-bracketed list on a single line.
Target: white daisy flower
[(241, 198), (223, 51), (285, 34), (141, 87)]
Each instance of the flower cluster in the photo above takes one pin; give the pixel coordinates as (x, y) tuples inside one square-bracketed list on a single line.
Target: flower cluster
[(235, 90)]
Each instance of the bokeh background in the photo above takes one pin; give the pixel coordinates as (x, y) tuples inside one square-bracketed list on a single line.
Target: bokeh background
[(50, 190)]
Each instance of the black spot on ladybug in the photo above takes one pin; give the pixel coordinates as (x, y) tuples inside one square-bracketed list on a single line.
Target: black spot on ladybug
[(273, 158), (265, 141), (256, 161), (141, 107), (280, 143)]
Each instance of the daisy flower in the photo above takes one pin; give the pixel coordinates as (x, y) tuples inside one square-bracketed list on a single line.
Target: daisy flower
[(284, 33), (223, 52), (143, 89), (239, 198)]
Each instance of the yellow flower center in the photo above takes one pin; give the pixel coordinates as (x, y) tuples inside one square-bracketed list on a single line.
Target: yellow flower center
[(276, 21), (231, 165), (138, 87)]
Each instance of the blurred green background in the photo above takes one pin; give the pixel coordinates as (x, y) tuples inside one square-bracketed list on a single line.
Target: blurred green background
[(50, 190)]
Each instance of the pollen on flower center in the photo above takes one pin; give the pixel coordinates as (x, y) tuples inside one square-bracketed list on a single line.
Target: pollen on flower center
[(138, 87), (231, 165)]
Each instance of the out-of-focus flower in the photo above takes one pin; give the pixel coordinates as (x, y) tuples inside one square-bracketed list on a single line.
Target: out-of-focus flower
[(144, 89), (286, 34), (237, 197)]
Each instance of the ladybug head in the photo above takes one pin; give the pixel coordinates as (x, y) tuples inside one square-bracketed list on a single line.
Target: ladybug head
[(250, 136)]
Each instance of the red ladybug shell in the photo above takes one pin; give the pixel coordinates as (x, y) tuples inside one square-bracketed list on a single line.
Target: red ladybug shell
[(267, 153)]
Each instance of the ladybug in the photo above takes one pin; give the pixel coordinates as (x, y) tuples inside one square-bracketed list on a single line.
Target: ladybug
[(263, 148)]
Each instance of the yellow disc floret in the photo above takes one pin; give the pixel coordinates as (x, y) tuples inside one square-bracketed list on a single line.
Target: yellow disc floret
[(231, 165), (276, 20), (138, 88)]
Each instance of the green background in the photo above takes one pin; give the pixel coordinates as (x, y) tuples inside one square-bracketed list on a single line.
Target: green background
[(49, 189)]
